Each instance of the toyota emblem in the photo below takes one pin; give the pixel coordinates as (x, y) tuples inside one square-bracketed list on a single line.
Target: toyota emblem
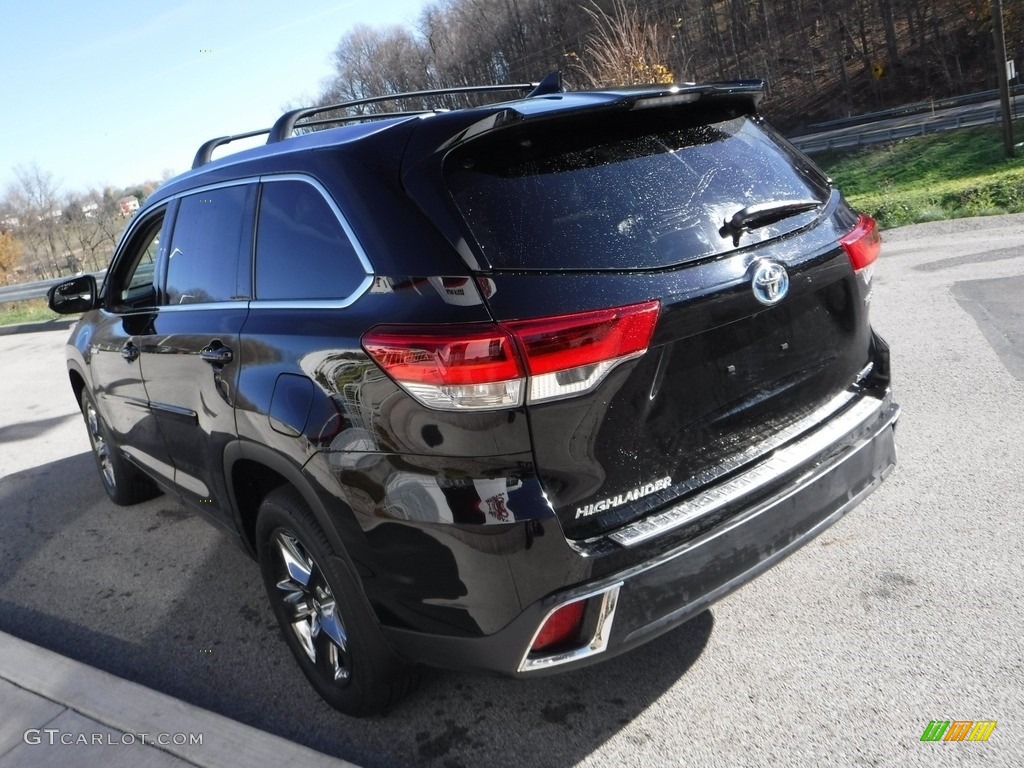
[(770, 283)]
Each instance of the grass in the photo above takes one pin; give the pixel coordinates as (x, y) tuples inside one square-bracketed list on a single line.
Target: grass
[(928, 178), (32, 311)]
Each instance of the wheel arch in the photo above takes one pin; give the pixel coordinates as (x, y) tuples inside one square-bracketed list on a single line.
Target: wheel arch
[(77, 379), (253, 470)]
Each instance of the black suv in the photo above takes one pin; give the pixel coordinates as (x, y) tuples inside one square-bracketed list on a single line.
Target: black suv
[(511, 388)]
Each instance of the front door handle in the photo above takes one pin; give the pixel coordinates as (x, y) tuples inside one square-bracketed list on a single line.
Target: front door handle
[(215, 353), (130, 352)]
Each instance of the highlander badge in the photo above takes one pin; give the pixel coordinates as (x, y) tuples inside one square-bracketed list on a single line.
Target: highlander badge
[(624, 498), (770, 283)]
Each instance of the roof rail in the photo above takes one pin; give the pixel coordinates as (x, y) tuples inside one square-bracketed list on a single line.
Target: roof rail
[(286, 123), (369, 116), (206, 150)]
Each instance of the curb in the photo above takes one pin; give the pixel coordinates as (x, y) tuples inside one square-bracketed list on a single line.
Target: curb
[(62, 324), (134, 709)]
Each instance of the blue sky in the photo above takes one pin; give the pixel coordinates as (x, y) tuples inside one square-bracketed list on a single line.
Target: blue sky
[(115, 93)]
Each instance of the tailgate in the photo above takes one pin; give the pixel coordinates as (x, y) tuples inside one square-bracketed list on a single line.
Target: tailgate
[(723, 377), (702, 210)]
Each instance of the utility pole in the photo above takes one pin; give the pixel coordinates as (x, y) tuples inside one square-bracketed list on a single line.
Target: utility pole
[(1004, 81)]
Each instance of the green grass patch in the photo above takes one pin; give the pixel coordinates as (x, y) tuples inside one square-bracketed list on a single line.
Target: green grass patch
[(927, 178), (34, 311)]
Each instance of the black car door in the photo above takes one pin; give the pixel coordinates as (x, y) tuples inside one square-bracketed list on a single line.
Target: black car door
[(190, 358), (115, 366)]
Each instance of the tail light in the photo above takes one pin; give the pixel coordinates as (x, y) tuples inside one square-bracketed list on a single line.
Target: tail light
[(499, 365), (450, 367), (863, 243)]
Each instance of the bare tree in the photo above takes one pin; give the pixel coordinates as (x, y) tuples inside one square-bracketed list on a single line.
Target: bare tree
[(374, 62), (89, 230), (34, 198), (110, 222)]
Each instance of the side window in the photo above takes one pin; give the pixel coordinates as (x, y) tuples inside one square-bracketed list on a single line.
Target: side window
[(211, 230), (133, 286), (302, 250)]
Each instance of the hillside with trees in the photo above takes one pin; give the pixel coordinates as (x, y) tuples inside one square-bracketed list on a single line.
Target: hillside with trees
[(820, 59), (46, 231)]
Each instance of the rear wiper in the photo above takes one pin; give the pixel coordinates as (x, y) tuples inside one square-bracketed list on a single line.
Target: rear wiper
[(763, 214)]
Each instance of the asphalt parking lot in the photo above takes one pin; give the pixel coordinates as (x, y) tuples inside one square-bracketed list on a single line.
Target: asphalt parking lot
[(908, 610)]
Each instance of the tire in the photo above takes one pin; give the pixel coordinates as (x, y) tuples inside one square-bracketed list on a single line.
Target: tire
[(124, 483), (322, 611)]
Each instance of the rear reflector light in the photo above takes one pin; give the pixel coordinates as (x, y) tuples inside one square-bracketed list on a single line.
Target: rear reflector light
[(499, 365), (561, 626), (863, 243)]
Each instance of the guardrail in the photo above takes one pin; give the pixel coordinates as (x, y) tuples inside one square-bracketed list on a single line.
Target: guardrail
[(812, 143), (921, 107), (38, 289)]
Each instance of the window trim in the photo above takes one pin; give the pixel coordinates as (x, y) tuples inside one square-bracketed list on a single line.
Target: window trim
[(357, 248), (169, 205)]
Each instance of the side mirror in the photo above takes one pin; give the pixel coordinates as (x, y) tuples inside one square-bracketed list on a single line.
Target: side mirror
[(73, 297)]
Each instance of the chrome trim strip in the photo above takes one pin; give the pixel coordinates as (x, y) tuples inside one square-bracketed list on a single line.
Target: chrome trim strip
[(782, 461), (754, 452), (315, 303), (197, 306), (364, 260), (217, 185), (597, 644), (724, 589), (356, 245), (176, 412)]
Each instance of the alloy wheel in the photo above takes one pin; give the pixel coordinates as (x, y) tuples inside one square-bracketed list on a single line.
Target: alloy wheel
[(315, 617), (99, 444)]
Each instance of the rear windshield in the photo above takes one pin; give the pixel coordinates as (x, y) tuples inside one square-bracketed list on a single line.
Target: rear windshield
[(628, 192)]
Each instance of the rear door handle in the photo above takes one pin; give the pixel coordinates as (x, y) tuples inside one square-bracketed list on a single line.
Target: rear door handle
[(215, 353), (130, 352)]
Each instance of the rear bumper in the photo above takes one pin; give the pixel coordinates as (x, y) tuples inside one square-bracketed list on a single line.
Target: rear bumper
[(637, 603)]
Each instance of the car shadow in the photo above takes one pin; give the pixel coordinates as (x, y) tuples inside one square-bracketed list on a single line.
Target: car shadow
[(154, 594), (27, 430), (40, 503)]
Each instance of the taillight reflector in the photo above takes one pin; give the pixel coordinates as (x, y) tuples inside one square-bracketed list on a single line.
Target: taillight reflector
[(561, 626), (863, 243), (489, 365)]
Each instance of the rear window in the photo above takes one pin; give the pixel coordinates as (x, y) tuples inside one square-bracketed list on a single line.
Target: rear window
[(633, 192)]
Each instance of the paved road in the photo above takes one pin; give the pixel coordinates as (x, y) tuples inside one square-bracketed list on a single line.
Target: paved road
[(908, 610)]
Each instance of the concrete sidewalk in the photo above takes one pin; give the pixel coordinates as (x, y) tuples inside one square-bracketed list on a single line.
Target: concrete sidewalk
[(58, 712)]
